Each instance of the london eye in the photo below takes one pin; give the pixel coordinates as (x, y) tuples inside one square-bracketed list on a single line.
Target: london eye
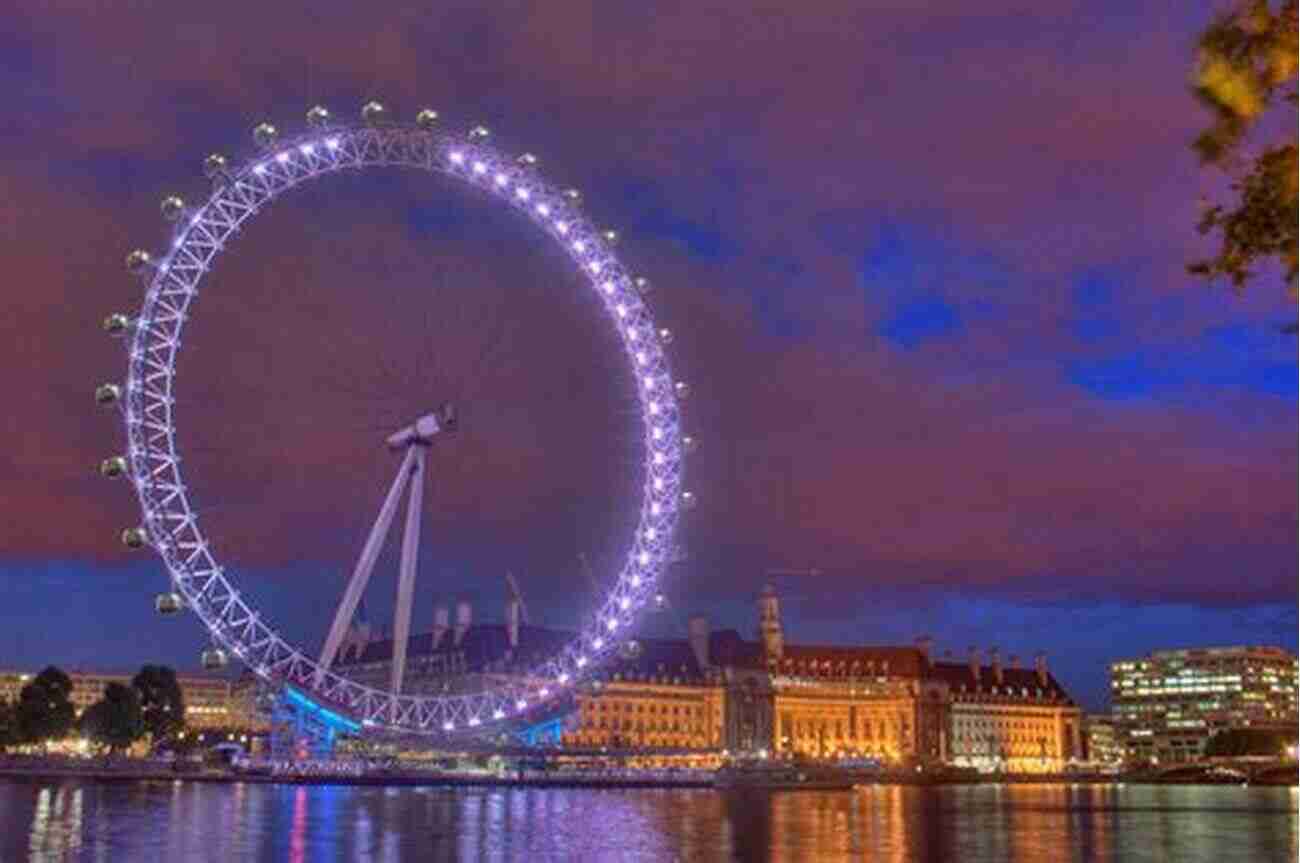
[(170, 523)]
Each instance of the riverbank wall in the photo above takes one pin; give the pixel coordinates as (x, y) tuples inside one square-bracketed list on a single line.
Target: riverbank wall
[(125, 771)]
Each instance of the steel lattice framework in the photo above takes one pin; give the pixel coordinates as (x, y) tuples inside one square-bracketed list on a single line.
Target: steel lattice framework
[(170, 523)]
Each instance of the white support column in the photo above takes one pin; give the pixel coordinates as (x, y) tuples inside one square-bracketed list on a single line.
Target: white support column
[(406, 578), (365, 565)]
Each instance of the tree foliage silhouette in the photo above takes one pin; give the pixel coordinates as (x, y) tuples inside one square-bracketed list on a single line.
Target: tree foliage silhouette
[(161, 701), (1246, 76), (116, 720)]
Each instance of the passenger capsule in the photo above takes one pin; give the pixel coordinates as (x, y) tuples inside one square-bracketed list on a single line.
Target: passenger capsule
[(113, 467), (479, 133), (666, 336), (264, 135), (214, 165), (134, 537), (107, 394), (643, 285), (682, 389), (116, 324), (688, 500), (426, 119), (690, 444), (168, 603), (660, 602), (214, 659), (172, 207), (317, 116), (528, 160), (610, 237), (372, 113), (137, 261), (573, 195)]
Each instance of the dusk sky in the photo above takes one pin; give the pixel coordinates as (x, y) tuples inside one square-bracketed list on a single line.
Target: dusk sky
[(925, 264)]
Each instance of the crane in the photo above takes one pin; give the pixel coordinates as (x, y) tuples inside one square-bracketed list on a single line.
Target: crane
[(811, 572), (516, 595)]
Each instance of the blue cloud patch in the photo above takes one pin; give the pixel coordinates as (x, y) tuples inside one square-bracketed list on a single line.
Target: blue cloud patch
[(1253, 359), (654, 216), (918, 321)]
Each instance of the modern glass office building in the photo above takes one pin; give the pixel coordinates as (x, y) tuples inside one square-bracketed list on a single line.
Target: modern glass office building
[(1168, 704)]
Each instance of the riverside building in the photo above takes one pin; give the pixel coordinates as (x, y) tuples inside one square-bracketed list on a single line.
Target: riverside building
[(1168, 704), (1104, 749), (687, 702), (211, 701)]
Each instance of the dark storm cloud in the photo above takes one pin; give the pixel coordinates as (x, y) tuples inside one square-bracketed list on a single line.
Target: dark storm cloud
[(925, 261)]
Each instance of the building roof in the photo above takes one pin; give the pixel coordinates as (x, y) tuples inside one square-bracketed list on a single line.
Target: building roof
[(958, 674), (838, 659), (657, 657), (675, 657), (482, 643), (1253, 650), (488, 644), (728, 648), (79, 673)]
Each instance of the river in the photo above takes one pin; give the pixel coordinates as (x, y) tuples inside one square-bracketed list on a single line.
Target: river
[(163, 822)]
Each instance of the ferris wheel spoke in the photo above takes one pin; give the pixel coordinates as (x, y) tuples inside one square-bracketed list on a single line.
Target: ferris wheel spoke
[(366, 565), (406, 578)]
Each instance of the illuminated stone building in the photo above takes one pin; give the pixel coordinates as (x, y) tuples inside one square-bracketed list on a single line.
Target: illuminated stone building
[(832, 701), (900, 705), (1168, 704), (1007, 718), (658, 695), (673, 700)]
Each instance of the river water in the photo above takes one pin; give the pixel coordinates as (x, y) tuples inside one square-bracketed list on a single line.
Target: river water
[(162, 822)]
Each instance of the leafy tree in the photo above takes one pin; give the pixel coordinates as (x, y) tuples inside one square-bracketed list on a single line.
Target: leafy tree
[(116, 720), (9, 735), (1250, 741), (161, 701), (1245, 74), (44, 709)]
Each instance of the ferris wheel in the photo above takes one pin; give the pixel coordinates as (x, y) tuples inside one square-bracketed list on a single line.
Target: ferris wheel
[(170, 524)]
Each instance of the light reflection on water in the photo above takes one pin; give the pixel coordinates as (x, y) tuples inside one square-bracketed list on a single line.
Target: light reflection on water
[(162, 821)]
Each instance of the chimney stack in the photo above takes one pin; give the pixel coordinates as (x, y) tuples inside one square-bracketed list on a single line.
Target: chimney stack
[(924, 643), (441, 623), (512, 621), (462, 621), (974, 662), (1040, 666), (699, 635), (354, 643), (769, 623), (995, 660)]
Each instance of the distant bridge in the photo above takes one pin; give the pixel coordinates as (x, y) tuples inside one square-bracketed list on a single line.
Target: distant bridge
[(1248, 768)]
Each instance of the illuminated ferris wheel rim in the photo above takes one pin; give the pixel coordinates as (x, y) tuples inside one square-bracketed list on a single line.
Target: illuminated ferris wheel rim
[(170, 524)]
